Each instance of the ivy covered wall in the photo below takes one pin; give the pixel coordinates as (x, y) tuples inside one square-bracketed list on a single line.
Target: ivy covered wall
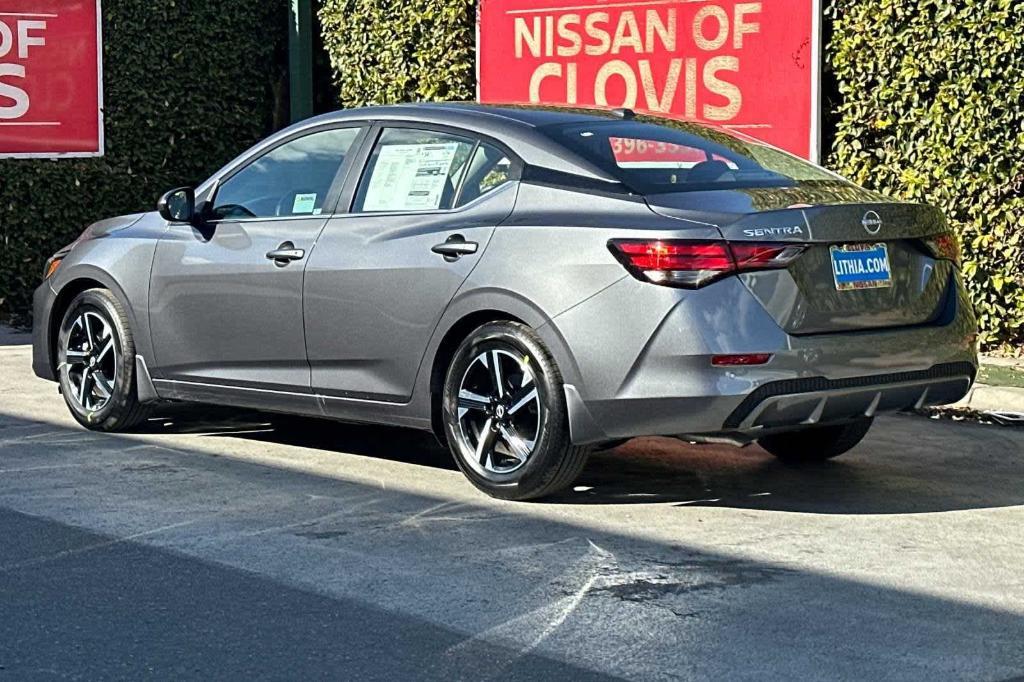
[(929, 106)]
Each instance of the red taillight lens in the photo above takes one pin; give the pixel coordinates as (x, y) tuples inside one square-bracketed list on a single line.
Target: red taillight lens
[(740, 360), (682, 264), (693, 264), (945, 246), (764, 256)]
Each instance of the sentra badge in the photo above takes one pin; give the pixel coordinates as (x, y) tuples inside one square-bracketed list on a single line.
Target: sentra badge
[(790, 231)]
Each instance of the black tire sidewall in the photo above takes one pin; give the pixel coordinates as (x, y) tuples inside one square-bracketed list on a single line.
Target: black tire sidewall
[(553, 438), (123, 395)]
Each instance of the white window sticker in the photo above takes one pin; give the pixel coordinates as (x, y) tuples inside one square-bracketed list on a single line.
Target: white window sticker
[(410, 177), (304, 203)]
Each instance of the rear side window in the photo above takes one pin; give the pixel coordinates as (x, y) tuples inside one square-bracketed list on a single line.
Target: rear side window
[(290, 180), (488, 170), (654, 156), (413, 170)]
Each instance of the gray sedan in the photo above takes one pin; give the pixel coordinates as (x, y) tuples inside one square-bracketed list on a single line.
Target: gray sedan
[(528, 283)]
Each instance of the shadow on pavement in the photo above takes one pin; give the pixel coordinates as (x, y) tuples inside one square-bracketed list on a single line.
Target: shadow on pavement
[(907, 465), (108, 609), (474, 591), (386, 442)]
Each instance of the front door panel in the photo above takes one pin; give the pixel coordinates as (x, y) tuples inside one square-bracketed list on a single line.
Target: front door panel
[(223, 313), (226, 297)]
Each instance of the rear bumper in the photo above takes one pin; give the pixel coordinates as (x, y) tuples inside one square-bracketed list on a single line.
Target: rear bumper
[(820, 400), (774, 406), (664, 383)]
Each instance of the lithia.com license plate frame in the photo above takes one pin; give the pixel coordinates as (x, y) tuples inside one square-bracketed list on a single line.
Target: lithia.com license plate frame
[(861, 266)]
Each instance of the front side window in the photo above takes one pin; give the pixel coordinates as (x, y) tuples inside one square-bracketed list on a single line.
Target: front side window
[(413, 170), (653, 156), (290, 180)]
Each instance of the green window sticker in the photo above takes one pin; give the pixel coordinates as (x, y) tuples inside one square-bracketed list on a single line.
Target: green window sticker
[(304, 203)]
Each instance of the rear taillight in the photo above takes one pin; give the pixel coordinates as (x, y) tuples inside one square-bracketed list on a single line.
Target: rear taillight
[(945, 247), (740, 360), (693, 264)]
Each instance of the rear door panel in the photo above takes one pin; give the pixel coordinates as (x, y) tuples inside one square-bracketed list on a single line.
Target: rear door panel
[(374, 292)]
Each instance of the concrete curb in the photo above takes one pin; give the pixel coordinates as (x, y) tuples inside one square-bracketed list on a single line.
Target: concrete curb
[(1002, 398), (984, 397)]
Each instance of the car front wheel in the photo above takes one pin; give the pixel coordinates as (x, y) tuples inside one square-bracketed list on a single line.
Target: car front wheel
[(505, 416), (96, 363)]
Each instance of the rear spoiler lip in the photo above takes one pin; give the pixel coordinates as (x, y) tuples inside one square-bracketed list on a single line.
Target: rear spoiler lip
[(847, 223)]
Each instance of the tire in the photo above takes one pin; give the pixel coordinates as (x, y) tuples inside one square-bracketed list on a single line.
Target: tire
[(816, 444), (530, 454), (96, 363)]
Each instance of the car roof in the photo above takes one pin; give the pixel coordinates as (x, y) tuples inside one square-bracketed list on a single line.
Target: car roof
[(529, 114), (516, 126), (532, 115)]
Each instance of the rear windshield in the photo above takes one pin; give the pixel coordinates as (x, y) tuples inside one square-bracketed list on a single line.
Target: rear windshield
[(655, 156)]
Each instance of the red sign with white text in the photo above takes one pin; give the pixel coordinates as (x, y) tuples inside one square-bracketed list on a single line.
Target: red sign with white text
[(746, 66), (51, 82)]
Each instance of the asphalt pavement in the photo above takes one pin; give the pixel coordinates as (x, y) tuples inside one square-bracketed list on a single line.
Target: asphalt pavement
[(215, 544)]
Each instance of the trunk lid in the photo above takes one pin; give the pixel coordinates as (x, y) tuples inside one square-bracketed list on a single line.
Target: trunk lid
[(842, 224)]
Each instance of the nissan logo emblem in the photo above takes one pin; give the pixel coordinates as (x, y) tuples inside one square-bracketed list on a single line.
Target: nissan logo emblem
[(871, 222)]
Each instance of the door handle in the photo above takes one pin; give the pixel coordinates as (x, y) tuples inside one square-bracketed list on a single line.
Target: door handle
[(285, 254), (455, 247)]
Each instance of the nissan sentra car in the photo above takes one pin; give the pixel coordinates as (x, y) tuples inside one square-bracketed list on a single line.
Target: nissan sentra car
[(528, 283)]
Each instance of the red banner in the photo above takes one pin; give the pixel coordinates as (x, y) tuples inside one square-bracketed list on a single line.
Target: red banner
[(747, 66), (51, 83)]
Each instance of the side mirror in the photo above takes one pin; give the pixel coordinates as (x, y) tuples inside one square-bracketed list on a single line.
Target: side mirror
[(178, 205)]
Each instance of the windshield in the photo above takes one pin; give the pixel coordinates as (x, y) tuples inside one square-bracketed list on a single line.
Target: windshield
[(655, 156)]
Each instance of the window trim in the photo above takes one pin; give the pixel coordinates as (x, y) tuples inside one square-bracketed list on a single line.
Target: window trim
[(462, 175), (355, 180), (334, 191)]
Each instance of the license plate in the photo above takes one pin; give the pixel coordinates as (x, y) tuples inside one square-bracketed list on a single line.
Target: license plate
[(861, 266)]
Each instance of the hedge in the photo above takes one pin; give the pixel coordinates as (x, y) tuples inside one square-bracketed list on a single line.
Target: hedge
[(188, 85), (930, 107), (926, 105), (414, 50)]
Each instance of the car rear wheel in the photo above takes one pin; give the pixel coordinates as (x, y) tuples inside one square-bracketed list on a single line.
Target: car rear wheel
[(816, 444), (505, 416), (96, 363)]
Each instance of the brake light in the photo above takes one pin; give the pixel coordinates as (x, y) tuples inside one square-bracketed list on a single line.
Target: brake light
[(945, 247), (740, 360), (693, 264)]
